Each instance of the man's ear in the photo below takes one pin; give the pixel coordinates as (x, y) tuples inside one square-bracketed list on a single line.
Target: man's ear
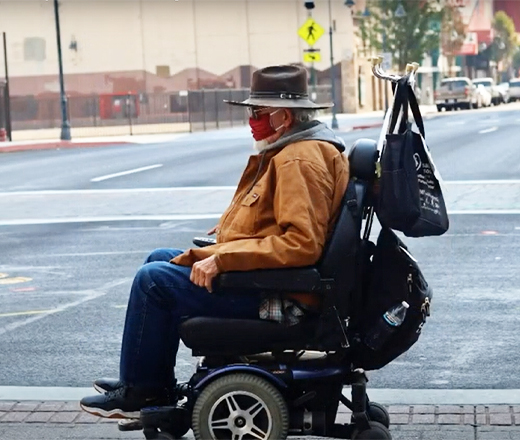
[(288, 118)]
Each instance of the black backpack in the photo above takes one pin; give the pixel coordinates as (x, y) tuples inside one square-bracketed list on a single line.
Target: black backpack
[(392, 275)]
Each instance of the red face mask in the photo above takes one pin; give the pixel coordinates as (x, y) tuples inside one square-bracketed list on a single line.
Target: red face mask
[(261, 127)]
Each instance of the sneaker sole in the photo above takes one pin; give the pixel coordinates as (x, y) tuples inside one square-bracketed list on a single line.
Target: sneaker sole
[(114, 414)]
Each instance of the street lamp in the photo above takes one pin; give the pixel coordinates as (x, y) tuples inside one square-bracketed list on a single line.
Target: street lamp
[(399, 13), (65, 123), (334, 123)]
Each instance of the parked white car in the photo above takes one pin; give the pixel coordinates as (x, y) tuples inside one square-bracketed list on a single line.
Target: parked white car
[(504, 89), (486, 97), (490, 85), (514, 90)]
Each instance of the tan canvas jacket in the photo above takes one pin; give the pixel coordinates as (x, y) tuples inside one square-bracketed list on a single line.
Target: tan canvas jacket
[(283, 211)]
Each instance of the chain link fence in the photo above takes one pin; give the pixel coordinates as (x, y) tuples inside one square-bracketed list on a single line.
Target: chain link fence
[(136, 113)]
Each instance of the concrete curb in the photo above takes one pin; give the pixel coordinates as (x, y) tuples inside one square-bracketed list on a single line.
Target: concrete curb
[(366, 126), (386, 396), (59, 145)]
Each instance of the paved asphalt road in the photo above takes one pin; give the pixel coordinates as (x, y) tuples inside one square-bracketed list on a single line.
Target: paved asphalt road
[(82, 271)]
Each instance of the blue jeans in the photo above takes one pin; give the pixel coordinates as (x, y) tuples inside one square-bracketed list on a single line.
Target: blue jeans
[(162, 295)]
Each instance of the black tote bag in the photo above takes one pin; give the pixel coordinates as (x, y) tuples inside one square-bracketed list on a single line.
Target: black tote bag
[(410, 198)]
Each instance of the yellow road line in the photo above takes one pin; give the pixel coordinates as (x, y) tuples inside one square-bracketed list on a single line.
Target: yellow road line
[(30, 312), (15, 280)]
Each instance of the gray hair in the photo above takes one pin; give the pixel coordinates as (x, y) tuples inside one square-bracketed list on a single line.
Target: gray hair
[(303, 115)]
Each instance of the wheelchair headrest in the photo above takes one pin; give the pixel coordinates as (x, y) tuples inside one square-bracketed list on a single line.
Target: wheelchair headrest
[(362, 159)]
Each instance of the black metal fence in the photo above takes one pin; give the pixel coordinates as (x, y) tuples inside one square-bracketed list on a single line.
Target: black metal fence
[(197, 110)]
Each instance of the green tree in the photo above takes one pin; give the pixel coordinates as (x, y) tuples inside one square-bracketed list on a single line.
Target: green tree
[(407, 37), (505, 43), (453, 33)]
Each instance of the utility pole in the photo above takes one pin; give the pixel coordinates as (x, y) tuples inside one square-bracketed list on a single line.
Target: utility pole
[(334, 123), (8, 127), (65, 123)]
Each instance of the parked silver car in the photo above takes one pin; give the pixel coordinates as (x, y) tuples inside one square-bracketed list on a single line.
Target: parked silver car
[(457, 92)]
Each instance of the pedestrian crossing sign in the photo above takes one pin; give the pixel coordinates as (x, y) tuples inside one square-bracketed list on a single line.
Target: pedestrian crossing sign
[(311, 55), (311, 31)]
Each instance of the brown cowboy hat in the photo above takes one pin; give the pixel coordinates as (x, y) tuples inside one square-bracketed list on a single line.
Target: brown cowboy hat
[(280, 86)]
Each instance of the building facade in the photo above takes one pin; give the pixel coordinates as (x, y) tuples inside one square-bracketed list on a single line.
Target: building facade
[(156, 46)]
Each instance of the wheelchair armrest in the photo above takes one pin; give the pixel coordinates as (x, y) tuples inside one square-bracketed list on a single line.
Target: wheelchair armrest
[(300, 279), (203, 241)]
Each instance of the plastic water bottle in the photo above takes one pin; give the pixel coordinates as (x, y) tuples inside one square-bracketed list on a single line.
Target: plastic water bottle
[(386, 325)]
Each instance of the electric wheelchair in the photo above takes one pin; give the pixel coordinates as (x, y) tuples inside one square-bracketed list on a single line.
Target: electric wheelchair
[(262, 380)]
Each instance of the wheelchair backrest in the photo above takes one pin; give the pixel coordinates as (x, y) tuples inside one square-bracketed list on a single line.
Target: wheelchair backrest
[(339, 260)]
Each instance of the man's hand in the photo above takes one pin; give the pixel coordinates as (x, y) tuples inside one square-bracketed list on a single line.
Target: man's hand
[(213, 230), (203, 272)]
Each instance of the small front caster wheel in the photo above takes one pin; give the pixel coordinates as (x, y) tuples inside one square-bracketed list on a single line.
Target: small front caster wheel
[(377, 431), (378, 413)]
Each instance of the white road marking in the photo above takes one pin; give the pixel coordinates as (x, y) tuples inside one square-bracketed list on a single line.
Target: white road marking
[(124, 173), (125, 218), (486, 212), (95, 254), (201, 188), (90, 295), (116, 191), (121, 218), (483, 182), (457, 123), (386, 396), (488, 130)]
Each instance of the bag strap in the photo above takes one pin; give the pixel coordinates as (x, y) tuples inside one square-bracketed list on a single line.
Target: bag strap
[(414, 106), (404, 97), (400, 105)]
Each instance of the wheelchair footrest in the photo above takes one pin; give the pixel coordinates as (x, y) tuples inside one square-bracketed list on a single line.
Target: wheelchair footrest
[(130, 425)]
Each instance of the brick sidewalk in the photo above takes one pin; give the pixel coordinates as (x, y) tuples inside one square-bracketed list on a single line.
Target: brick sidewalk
[(479, 415), (65, 420)]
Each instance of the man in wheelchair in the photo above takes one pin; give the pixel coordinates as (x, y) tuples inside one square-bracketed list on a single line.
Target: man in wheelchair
[(282, 215)]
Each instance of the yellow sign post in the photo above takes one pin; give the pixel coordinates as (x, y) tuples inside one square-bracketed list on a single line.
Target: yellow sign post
[(311, 55), (311, 31)]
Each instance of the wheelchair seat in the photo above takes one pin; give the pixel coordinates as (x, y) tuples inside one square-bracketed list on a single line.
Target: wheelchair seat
[(334, 277)]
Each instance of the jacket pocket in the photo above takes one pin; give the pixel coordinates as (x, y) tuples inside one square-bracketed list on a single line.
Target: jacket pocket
[(250, 199), (246, 214)]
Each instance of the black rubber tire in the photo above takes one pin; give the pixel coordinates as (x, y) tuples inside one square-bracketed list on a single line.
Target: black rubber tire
[(378, 413), (249, 383), (158, 423), (155, 434), (377, 431), (439, 108), (178, 431)]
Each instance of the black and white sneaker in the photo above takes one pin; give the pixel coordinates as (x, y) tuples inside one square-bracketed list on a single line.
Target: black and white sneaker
[(107, 384), (124, 402)]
